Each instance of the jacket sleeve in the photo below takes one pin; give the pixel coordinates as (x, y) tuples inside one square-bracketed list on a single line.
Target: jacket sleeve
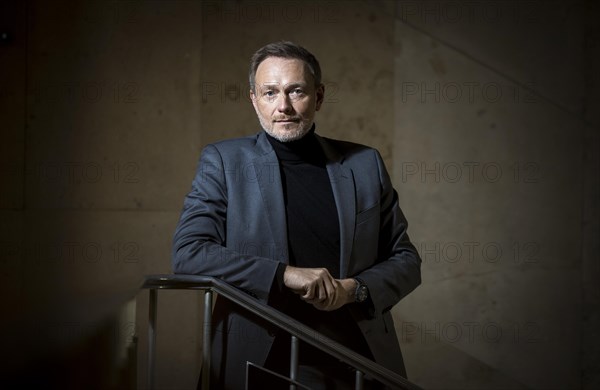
[(200, 241), (397, 270)]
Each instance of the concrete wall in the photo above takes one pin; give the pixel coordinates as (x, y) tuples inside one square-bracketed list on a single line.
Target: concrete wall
[(102, 136), (489, 145), (485, 112)]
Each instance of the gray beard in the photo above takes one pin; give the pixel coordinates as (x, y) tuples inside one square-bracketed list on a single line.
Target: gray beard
[(287, 136)]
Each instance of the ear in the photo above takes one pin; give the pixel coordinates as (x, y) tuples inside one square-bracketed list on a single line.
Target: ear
[(320, 96), (253, 98)]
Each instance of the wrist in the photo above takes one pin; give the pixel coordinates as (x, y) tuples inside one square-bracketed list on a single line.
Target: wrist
[(362, 291), (287, 272), (350, 285)]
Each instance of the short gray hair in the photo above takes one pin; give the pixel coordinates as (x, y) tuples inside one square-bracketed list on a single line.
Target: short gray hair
[(285, 49)]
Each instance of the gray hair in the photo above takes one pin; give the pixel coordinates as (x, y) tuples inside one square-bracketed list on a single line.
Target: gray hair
[(285, 49)]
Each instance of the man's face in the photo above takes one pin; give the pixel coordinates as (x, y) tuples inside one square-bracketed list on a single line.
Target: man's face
[(285, 98)]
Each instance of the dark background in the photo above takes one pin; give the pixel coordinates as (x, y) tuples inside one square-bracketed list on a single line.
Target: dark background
[(486, 113)]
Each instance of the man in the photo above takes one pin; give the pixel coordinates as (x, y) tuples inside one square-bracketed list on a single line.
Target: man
[(307, 224)]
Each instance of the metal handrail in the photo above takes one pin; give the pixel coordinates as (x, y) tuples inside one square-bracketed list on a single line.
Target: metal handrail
[(275, 317)]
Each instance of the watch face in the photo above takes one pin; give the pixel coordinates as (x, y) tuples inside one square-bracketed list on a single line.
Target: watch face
[(361, 293)]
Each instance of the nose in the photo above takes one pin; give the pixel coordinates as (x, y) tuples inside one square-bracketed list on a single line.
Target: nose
[(284, 105)]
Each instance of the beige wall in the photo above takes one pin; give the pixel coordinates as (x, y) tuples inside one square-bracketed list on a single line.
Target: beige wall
[(489, 139), (106, 105), (104, 139)]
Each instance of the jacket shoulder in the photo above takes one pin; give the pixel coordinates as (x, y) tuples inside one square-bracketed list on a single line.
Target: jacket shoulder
[(235, 143), (239, 149)]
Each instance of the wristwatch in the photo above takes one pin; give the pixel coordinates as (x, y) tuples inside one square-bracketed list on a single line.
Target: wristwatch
[(362, 291)]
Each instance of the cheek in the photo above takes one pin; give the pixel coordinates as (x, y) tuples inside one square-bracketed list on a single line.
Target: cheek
[(304, 109), (263, 109), (256, 105)]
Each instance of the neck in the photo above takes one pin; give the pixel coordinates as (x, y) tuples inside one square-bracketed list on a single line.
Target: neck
[(305, 149)]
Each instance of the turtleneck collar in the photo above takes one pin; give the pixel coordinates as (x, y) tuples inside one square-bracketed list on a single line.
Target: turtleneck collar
[(306, 149)]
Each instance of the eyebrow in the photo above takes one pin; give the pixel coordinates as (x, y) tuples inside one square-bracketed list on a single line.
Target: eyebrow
[(295, 85), (287, 86)]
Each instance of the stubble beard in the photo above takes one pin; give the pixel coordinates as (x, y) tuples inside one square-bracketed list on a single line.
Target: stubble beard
[(288, 133)]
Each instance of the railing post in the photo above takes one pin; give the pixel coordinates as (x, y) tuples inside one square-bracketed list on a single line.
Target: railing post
[(294, 361), (297, 332), (151, 337), (206, 340), (359, 380)]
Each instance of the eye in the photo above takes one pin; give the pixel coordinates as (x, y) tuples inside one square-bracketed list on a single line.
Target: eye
[(269, 95), (297, 93)]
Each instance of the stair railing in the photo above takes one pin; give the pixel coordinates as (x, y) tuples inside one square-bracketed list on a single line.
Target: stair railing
[(297, 330)]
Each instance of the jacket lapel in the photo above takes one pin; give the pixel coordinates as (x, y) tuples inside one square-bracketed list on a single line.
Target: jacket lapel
[(342, 185), (266, 167)]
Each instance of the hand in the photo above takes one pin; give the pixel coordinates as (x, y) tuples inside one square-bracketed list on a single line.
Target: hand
[(344, 293), (317, 287), (312, 284)]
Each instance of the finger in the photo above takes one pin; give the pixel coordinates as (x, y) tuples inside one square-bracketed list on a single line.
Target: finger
[(306, 298), (323, 290), (330, 288), (309, 293)]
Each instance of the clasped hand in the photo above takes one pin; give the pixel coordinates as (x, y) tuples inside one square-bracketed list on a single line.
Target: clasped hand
[(317, 287)]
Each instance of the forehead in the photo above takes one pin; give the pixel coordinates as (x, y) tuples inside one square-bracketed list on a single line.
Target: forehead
[(282, 70)]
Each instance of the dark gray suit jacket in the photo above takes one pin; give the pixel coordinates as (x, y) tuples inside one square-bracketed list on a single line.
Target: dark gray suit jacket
[(233, 227)]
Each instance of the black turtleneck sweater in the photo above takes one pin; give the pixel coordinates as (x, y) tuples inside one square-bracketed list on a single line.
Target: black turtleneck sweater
[(312, 220), (313, 236)]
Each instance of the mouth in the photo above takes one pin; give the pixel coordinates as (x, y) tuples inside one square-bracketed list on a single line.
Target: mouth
[(284, 121)]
